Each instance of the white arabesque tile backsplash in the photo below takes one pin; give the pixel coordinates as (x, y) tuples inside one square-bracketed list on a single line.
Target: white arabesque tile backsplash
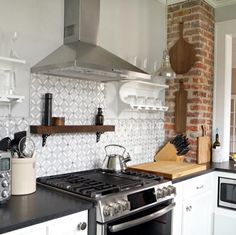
[(77, 100)]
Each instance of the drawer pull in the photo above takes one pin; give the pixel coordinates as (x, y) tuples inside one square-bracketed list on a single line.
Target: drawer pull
[(200, 187)]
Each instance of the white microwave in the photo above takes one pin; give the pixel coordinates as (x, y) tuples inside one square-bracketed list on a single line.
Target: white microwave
[(227, 193)]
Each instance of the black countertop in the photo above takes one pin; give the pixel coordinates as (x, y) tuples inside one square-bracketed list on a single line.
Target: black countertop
[(224, 166), (38, 207), (210, 167), (46, 204)]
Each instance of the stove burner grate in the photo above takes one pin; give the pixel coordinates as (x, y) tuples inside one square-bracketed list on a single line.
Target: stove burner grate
[(95, 183)]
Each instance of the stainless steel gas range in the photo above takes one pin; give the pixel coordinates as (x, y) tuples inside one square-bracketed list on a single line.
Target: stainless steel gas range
[(127, 202)]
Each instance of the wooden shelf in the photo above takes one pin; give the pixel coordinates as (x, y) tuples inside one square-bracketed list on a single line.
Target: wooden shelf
[(45, 131), (70, 129)]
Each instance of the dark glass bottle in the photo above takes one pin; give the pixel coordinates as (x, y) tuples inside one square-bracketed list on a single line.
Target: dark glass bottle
[(99, 118), (47, 120), (216, 144)]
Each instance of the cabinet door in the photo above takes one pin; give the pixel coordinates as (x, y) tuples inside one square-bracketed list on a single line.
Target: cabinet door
[(177, 212), (32, 230), (224, 224), (70, 225), (197, 215)]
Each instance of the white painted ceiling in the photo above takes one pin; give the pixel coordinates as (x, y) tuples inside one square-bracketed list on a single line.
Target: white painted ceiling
[(214, 3)]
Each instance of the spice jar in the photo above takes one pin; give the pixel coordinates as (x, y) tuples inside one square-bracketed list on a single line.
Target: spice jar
[(99, 118)]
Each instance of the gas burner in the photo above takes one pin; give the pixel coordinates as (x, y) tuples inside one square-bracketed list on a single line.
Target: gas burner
[(144, 175), (97, 183), (115, 193)]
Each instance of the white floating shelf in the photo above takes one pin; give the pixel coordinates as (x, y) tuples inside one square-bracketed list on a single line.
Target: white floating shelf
[(11, 60), (141, 96), (11, 98)]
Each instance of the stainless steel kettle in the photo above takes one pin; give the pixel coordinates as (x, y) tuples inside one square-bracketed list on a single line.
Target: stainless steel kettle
[(115, 162)]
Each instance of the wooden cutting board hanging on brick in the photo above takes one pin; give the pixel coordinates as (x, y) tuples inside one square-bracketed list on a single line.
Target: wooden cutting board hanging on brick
[(182, 54), (181, 97)]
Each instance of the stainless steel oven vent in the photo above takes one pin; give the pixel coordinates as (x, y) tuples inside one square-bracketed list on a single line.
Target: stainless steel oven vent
[(80, 56)]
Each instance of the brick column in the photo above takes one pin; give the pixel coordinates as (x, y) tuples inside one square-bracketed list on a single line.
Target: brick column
[(198, 18)]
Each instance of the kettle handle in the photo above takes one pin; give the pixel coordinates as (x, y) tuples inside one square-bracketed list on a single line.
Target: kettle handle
[(115, 145)]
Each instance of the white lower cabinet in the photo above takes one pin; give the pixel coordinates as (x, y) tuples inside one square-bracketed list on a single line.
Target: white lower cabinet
[(70, 225), (193, 213), (75, 224), (224, 224), (224, 218), (197, 215), (38, 229)]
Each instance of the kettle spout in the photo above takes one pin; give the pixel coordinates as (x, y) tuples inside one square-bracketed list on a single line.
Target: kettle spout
[(127, 158)]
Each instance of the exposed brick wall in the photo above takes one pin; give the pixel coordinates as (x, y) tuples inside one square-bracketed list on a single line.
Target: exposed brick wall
[(198, 18)]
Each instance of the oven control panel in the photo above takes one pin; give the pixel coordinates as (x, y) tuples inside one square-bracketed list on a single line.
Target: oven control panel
[(122, 204)]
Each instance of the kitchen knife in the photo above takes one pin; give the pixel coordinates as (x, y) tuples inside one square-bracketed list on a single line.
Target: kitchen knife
[(183, 151)]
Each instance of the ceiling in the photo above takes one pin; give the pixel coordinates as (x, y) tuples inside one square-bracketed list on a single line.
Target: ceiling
[(214, 3)]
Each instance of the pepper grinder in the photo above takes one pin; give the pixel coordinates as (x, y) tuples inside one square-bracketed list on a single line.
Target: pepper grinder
[(99, 118), (47, 120)]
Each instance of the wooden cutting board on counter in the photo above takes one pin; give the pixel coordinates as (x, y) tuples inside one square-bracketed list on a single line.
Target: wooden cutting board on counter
[(203, 148), (169, 169)]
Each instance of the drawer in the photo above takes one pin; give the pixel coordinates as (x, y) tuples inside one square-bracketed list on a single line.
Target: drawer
[(69, 225), (197, 185), (38, 229)]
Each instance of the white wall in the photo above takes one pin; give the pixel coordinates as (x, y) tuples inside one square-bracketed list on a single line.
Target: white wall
[(39, 25), (225, 13), (234, 52), (224, 33), (136, 26), (233, 85)]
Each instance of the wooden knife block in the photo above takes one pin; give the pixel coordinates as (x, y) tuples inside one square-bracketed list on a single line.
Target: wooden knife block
[(168, 153)]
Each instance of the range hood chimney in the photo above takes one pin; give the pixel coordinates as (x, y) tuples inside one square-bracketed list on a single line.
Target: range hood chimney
[(80, 56)]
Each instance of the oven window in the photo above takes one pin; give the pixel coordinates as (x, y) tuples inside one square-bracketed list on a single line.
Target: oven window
[(158, 226), (228, 193)]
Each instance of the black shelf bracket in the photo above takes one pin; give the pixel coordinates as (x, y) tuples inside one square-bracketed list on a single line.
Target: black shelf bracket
[(98, 135), (44, 139)]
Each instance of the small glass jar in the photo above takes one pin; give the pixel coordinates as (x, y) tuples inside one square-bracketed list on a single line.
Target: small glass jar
[(7, 82)]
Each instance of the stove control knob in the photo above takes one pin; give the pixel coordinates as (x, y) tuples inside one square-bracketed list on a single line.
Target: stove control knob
[(165, 191), (2, 175), (172, 189), (117, 208), (5, 194), (5, 183), (159, 193), (107, 211), (124, 204)]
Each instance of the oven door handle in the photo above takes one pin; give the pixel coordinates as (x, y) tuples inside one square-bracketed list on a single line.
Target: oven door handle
[(132, 223)]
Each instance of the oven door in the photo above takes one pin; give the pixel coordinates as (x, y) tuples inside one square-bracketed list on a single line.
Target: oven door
[(227, 193), (155, 220)]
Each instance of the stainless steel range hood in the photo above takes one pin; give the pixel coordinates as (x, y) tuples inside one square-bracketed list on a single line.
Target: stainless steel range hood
[(80, 56)]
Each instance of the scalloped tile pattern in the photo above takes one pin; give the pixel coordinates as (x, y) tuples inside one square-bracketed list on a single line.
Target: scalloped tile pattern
[(77, 100)]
